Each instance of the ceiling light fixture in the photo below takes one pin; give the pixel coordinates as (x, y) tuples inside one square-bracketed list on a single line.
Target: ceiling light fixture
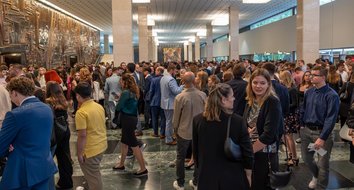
[(255, 1), (140, 1), (56, 8)]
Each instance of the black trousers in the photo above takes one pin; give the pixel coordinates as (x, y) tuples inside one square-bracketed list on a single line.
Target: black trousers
[(65, 167), (260, 178)]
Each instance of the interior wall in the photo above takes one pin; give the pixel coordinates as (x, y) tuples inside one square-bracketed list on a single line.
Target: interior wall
[(336, 31)]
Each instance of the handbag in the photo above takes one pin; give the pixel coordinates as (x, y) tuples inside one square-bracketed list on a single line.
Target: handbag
[(279, 179), (344, 95), (60, 126), (344, 133), (232, 150)]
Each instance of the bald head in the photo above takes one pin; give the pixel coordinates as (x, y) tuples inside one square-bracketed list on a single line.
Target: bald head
[(188, 78)]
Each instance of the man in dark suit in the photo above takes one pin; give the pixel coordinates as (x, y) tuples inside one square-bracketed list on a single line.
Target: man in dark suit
[(239, 86), (26, 130), (281, 91), (147, 110)]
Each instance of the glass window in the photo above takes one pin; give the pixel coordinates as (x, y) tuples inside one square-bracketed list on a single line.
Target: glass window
[(322, 2), (272, 19)]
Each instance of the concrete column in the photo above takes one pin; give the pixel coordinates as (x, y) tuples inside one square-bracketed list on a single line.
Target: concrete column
[(143, 34), (150, 44), (190, 51), (308, 30), (154, 50), (122, 32), (233, 32), (185, 51), (197, 48), (106, 44), (209, 41)]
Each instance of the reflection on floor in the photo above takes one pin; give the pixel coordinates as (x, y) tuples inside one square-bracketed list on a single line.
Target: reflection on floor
[(158, 157)]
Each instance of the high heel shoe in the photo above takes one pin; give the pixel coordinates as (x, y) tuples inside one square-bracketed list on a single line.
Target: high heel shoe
[(189, 166), (293, 162)]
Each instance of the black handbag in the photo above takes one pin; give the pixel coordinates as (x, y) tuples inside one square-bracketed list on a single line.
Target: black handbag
[(344, 95), (60, 126), (279, 179), (232, 150)]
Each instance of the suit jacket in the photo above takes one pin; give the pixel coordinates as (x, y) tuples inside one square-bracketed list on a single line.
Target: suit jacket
[(147, 96), (169, 91), (28, 128), (155, 91), (239, 86), (139, 81), (112, 85), (188, 104)]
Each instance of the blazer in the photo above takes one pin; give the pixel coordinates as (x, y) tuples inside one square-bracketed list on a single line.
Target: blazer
[(239, 86), (169, 91), (155, 91), (112, 86), (147, 87), (28, 128), (268, 121)]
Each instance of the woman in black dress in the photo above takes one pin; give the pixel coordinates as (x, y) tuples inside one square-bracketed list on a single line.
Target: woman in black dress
[(264, 122), (216, 171)]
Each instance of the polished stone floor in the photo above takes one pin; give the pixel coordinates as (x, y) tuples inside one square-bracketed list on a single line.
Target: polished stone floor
[(158, 158)]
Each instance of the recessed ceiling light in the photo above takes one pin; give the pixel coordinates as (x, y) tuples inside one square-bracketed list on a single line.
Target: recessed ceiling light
[(255, 1), (141, 1)]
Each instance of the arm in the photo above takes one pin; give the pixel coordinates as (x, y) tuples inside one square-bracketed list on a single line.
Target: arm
[(195, 140), (96, 88), (293, 98), (8, 133), (106, 87), (175, 89), (123, 98), (81, 143), (247, 151), (178, 107), (271, 124), (331, 116)]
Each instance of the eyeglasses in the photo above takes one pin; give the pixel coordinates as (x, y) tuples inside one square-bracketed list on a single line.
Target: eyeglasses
[(315, 75)]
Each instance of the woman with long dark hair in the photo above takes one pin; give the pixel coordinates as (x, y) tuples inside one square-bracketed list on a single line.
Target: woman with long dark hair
[(56, 99), (127, 106), (216, 171)]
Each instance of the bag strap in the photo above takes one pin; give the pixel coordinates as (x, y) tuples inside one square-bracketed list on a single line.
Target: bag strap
[(287, 158), (228, 127)]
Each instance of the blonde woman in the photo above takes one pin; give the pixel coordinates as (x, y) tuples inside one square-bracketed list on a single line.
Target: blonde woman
[(264, 121), (201, 81), (209, 133), (291, 121), (213, 80)]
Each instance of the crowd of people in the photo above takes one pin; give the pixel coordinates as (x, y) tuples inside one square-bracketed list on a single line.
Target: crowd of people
[(193, 105)]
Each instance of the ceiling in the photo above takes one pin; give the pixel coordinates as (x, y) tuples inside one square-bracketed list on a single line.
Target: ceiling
[(175, 20)]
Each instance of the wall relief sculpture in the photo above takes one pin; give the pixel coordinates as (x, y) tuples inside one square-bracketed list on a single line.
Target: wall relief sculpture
[(44, 36)]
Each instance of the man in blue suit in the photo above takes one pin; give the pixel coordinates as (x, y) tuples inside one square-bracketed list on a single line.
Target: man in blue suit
[(27, 129)]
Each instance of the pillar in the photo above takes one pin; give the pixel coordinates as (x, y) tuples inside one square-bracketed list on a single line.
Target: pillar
[(190, 51), (150, 44), (234, 33), (308, 30), (197, 48), (106, 44), (209, 42), (154, 50), (143, 34), (185, 51), (122, 31)]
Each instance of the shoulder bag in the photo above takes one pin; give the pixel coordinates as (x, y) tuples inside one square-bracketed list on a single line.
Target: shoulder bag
[(232, 150), (279, 179), (60, 126)]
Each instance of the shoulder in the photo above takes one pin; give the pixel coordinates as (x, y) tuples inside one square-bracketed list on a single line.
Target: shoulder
[(199, 118), (272, 101)]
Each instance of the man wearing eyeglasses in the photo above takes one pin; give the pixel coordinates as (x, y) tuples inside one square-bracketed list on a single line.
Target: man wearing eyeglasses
[(318, 116)]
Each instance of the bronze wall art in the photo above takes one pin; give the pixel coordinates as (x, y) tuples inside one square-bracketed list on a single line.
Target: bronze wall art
[(43, 36)]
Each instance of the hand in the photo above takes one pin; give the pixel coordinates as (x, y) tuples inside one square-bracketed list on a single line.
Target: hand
[(81, 159), (319, 143), (11, 148), (251, 130)]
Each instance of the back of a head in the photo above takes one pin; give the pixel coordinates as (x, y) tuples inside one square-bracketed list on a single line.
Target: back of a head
[(170, 67), (270, 67), (131, 67), (22, 85), (188, 78), (214, 105), (239, 70), (83, 89)]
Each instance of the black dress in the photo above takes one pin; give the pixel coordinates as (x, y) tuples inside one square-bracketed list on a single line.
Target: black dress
[(216, 172)]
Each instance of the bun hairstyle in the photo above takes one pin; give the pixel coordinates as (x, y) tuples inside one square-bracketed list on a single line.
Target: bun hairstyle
[(214, 105)]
